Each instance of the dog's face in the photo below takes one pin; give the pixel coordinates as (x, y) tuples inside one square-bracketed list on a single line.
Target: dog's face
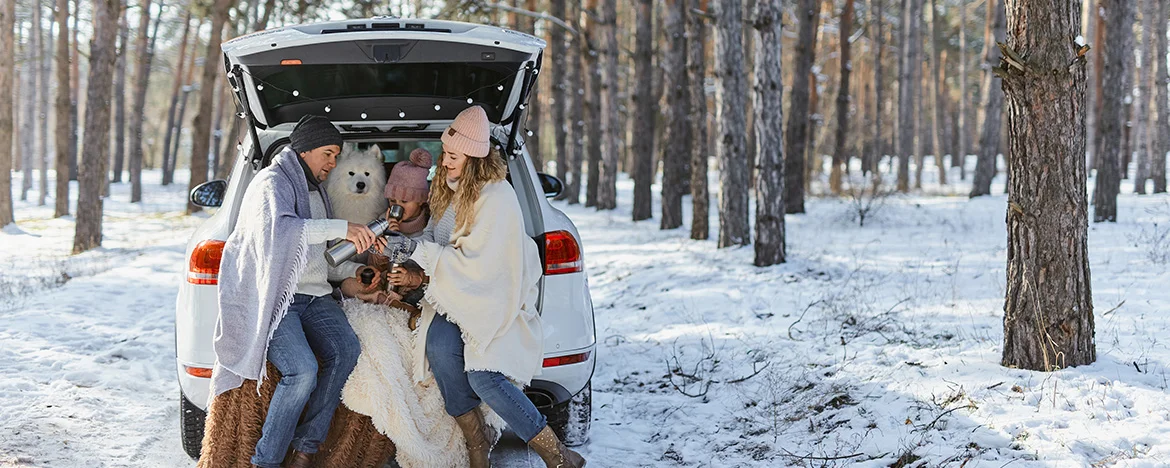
[(360, 172)]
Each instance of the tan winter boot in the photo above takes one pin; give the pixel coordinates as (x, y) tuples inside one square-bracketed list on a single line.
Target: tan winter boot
[(553, 452), (471, 423)]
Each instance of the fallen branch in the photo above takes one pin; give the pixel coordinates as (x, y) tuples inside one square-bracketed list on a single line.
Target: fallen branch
[(812, 457)]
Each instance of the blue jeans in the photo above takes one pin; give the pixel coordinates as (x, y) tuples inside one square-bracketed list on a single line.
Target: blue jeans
[(462, 391), (314, 327)]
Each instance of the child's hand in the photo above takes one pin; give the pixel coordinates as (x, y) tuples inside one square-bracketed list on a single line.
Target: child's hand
[(409, 278)]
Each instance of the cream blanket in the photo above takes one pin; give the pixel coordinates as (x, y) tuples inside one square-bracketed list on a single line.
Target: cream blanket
[(485, 279), (382, 386)]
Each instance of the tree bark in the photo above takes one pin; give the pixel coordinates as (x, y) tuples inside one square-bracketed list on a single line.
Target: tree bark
[(677, 149), (45, 65), (593, 72), (201, 127), (1118, 47), (1098, 85), (175, 88), (768, 87), (119, 155), (808, 11), (1144, 79), (992, 102), (696, 76), (1090, 32), (575, 118), (560, 93), (878, 144), (1161, 131), (535, 108), (75, 95), (138, 103), (95, 148), (62, 132), (611, 128), (939, 81), (840, 157), (1048, 309), (644, 113), (959, 159), (7, 70), (730, 97), (920, 74), (28, 128), (906, 95)]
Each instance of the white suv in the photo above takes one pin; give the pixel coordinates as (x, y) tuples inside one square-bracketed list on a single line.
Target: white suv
[(397, 83)]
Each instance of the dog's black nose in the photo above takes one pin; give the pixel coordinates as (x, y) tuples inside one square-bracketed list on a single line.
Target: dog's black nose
[(361, 185)]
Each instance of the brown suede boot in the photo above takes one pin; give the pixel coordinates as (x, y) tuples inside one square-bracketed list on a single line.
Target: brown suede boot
[(553, 452), (300, 460), (471, 423)]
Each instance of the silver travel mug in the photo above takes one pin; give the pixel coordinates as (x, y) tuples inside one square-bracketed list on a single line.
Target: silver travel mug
[(345, 250)]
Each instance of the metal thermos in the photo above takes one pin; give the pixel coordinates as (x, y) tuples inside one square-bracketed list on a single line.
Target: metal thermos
[(396, 212), (345, 249)]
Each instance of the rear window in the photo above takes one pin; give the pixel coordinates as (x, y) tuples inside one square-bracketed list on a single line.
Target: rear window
[(486, 82)]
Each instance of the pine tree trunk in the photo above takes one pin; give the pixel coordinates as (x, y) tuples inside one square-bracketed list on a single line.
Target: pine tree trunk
[(678, 102), (75, 95), (959, 159), (535, 109), (878, 146), (768, 89), (1118, 46), (808, 12), (919, 72), (992, 102), (7, 70), (1089, 34), (61, 123), (574, 118), (95, 149), (592, 55), (644, 113), (119, 155), (730, 97), (1144, 79), (46, 70), (28, 128), (696, 75), (138, 104), (939, 81), (611, 128), (175, 89), (560, 93), (1098, 85), (906, 95), (840, 158), (1048, 310), (1161, 131), (201, 127)]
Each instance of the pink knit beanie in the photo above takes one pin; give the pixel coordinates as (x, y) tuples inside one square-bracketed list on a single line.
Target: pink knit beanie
[(468, 134), (408, 179)]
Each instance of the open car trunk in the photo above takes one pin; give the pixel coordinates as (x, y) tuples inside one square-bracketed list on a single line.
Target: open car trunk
[(382, 74)]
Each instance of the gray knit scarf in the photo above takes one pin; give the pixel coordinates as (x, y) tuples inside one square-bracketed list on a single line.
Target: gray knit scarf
[(262, 262)]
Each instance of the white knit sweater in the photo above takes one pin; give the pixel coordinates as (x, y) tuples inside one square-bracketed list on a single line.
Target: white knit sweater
[(319, 230)]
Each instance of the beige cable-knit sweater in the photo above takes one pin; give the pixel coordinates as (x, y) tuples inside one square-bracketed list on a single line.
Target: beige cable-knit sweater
[(315, 278)]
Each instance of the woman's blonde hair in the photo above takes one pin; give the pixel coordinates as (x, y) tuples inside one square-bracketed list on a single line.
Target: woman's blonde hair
[(477, 173)]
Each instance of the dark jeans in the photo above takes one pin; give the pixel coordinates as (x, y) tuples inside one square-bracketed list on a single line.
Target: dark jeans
[(462, 391), (314, 327)]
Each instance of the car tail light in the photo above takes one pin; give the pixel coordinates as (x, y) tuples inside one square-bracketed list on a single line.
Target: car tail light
[(204, 265), (561, 254), (201, 372), (566, 360)]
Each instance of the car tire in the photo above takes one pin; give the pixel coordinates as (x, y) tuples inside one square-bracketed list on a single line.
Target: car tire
[(191, 420), (571, 419)]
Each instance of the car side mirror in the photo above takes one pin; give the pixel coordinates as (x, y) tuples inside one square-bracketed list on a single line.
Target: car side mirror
[(552, 186), (209, 194)]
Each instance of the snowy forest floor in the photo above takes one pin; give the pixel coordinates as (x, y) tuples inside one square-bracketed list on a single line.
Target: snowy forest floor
[(872, 345)]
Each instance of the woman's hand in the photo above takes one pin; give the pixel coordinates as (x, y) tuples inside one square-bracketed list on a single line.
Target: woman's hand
[(409, 278), (361, 236)]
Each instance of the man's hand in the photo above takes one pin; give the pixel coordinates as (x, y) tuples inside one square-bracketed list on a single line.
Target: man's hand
[(361, 236)]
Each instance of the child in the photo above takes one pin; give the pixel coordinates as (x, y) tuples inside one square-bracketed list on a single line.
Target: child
[(407, 187)]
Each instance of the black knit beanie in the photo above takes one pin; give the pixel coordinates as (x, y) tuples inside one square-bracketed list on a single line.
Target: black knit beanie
[(312, 132)]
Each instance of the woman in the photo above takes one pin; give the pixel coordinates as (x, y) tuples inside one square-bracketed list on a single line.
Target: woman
[(481, 327)]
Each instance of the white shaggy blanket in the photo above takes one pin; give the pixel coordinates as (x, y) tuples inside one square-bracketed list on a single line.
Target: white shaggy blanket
[(382, 387)]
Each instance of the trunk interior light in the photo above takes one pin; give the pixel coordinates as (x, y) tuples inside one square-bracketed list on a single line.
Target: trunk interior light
[(290, 62)]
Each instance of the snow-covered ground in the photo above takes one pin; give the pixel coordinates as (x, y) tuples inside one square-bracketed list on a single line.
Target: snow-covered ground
[(871, 344)]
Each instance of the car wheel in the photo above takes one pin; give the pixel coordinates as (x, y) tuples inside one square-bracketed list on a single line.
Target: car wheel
[(191, 420), (571, 419)]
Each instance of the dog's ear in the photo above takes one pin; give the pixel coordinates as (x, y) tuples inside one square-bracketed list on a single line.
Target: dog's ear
[(375, 152)]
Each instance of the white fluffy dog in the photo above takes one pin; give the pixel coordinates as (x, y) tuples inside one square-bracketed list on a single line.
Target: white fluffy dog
[(355, 186)]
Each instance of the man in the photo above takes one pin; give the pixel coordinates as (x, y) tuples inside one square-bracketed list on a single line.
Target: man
[(275, 299)]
